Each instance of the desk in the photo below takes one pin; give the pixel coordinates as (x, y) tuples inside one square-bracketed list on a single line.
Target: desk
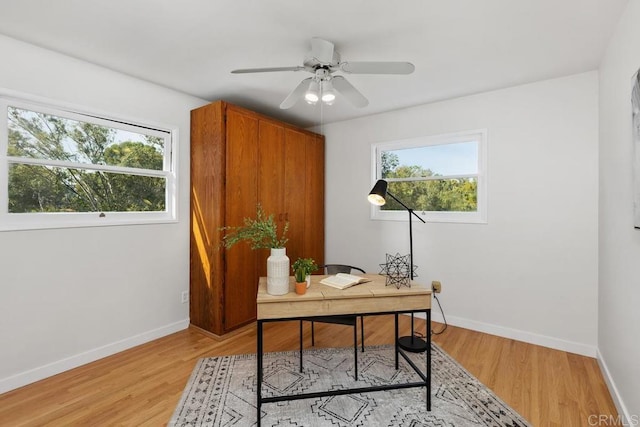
[(365, 299)]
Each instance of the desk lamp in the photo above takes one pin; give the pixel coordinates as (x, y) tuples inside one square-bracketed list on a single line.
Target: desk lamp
[(378, 196)]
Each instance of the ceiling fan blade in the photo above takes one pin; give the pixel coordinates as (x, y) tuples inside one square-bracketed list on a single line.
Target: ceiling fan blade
[(377, 67), (322, 50), (296, 95), (348, 91), (266, 70)]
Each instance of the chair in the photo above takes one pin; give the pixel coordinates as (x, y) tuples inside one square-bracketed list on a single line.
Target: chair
[(349, 320)]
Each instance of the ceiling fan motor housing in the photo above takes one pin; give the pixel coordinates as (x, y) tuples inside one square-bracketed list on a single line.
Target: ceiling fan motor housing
[(312, 63), (322, 74)]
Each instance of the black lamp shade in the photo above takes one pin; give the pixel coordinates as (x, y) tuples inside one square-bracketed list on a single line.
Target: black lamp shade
[(378, 193)]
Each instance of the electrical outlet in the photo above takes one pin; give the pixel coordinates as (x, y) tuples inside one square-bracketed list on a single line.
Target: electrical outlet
[(436, 286), (184, 297)]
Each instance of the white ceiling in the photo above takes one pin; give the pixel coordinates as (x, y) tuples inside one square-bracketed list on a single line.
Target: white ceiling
[(459, 47)]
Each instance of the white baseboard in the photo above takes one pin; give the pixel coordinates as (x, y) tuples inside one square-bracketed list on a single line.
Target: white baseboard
[(613, 390), (36, 374), (528, 337), (545, 341), (42, 372)]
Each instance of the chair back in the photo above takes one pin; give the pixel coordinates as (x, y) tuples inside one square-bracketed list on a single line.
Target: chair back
[(340, 268)]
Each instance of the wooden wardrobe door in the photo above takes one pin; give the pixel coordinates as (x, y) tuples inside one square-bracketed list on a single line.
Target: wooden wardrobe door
[(294, 190), (314, 200), (241, 199), (271, 178)]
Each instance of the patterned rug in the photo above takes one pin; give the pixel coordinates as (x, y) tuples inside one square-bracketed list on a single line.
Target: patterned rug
[(222, 392)]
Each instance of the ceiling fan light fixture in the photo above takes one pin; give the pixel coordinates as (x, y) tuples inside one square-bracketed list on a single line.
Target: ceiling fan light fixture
[(328, 98), (311, 98), (328, 93), (312, 95)]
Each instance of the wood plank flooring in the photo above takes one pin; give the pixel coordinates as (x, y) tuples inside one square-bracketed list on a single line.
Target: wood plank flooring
[(142, 386)]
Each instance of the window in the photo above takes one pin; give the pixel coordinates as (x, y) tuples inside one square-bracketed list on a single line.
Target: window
[(443, 178), (62, 168)]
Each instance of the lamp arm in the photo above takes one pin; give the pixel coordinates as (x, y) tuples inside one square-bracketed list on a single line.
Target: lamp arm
[(411, 212)]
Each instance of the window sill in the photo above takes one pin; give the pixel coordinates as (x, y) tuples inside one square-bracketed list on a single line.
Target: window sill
[(21, 222), (432, 217)]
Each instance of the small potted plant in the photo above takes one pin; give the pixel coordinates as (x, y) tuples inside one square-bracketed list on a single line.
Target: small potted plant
[(262, 233), (302, 268)]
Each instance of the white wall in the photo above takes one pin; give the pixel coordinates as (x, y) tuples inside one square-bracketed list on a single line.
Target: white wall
[(69, 296), (531, 272), (619, 260)]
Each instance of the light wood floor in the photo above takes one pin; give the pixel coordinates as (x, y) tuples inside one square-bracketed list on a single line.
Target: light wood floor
[(141, 386)]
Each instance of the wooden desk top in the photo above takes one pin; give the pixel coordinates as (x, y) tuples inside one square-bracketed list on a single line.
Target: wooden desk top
[(322, 300)]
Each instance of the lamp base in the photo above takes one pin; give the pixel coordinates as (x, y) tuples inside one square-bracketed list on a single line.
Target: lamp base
[(414, 344)]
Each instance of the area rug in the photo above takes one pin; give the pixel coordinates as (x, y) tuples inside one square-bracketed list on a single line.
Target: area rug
[(222, 392)]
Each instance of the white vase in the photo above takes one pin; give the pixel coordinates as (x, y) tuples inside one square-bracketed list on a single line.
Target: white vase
[(278, 272)]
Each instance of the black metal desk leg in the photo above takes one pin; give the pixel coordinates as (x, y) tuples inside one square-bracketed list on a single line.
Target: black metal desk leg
[(396, 339), (362, 331), (428, 337), (259, 373), (301, 346), (355, 347)]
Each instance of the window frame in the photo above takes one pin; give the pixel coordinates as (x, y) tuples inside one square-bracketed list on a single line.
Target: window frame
[(45, 220), (477, 217)]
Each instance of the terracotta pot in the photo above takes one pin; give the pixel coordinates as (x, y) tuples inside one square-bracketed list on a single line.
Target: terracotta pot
[(301, 288)]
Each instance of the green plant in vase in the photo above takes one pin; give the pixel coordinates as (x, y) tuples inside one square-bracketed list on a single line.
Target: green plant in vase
[(261, 232)]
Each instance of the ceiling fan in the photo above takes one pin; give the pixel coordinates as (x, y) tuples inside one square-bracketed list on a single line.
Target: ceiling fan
[(323, 61)]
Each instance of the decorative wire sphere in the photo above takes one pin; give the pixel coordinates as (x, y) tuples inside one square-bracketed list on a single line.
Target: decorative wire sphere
[(397, 270)]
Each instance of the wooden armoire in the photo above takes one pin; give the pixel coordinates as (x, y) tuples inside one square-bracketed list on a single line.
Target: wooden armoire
[(240, 158)]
